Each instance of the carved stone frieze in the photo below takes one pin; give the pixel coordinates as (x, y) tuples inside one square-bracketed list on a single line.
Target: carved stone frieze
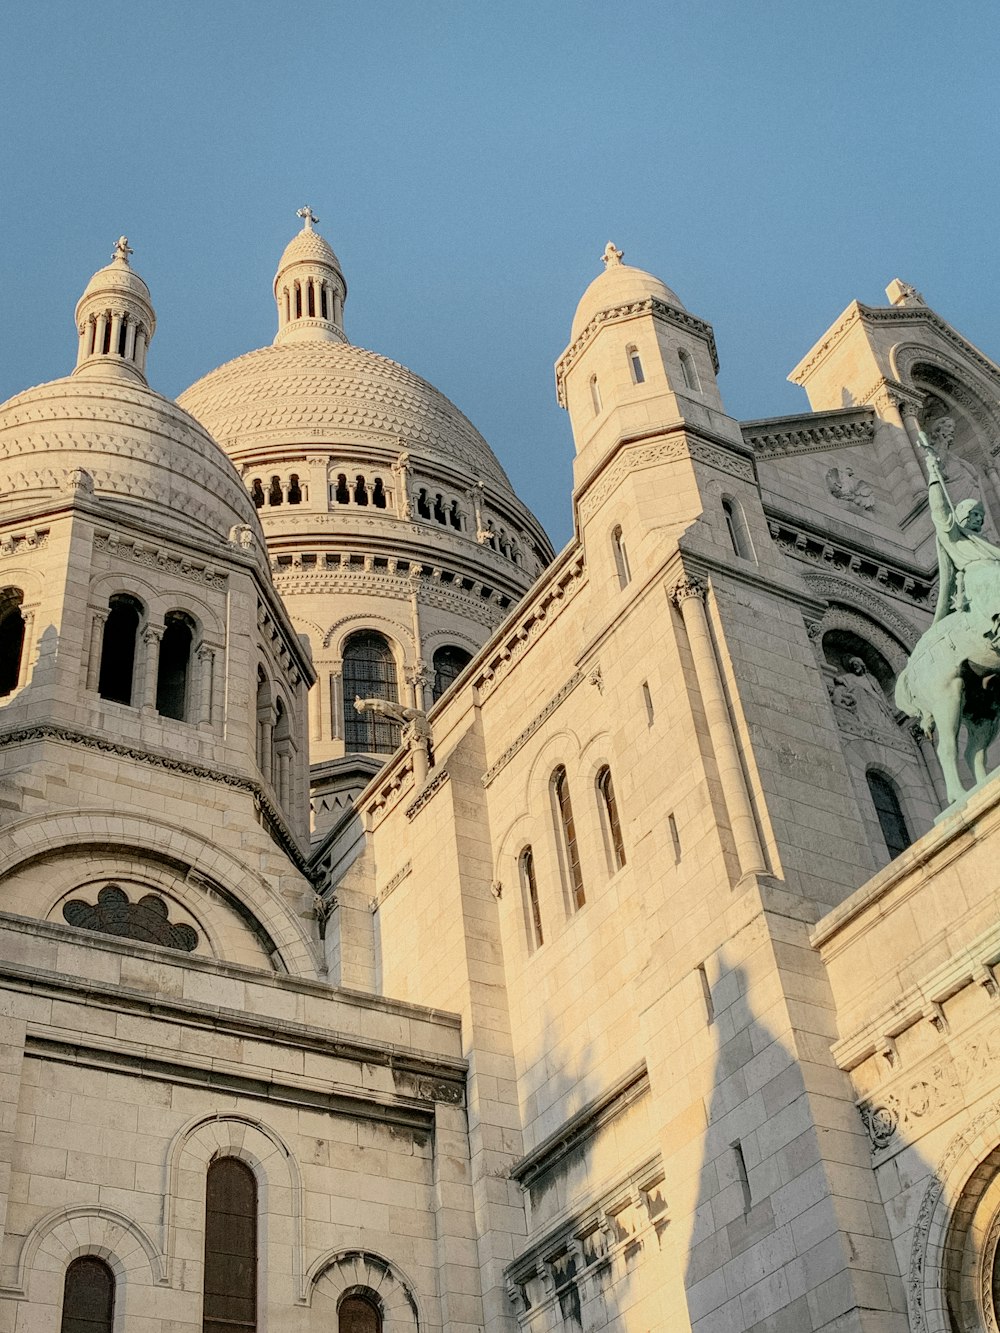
[(487, 611), (427, 792), (820, 433), (19, 543), (831, 588), (634, 457), (157, 557)]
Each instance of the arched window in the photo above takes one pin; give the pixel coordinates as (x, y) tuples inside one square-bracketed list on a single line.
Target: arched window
[(621, 557), (378, 494), (566, 830), (257, 491), (889, 811), (736, 526), (294, 490), (230, 1248), (358, 1313), (360, 490), (341, 492), (689, 370), (369, 673), (88, 1297), (11, 639), (529, 893), (174, 666), (455, 516), (439, 514), (121, 628), (274, 496), (423, 506), (635, 365), (612, 824), (595, 395), (449, 663)]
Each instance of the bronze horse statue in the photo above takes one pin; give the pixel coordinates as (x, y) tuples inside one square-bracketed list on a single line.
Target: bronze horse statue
[(953, 675)]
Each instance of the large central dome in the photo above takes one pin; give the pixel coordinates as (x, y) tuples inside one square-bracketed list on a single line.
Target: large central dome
[(331, 388)]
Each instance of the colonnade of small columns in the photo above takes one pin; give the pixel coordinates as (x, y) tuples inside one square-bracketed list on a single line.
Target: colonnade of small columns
[(312, 298), (113, 333)]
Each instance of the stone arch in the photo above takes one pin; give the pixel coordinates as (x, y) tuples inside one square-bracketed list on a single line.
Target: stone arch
[(943, 1205), (867, 614), (68, 1233), (438, 638), (395, 631), (362, 1272), (33, 837), (965, 384), (279, 1182)]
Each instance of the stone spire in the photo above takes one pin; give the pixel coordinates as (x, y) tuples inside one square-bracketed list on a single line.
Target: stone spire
[(309, 288), (115, 321)]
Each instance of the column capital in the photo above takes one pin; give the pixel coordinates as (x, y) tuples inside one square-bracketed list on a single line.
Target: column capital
[(153, 633), (686, 587)]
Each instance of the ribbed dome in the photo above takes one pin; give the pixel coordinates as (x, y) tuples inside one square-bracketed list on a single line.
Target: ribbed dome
[(619, 284), (308, 247), (142, 451), (347, 394)]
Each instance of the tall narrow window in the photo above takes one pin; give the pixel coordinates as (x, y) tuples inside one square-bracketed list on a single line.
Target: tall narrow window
[(689, 370), (529, 892), (621, 558), (230, 1248), (282, 761), (274, 496), (567, 831), (360, 490), (890, 813), (294, 490), (118, 649), (455, 516), (612, 823), (439, 515), (88, 1297), (341, 492), (378, 494), (174, 666), (358, 1314), (736, 526), (635, 365), (423, 505), (11, 639), (257, 491), (449, 663), (369, 673), (595, 395)]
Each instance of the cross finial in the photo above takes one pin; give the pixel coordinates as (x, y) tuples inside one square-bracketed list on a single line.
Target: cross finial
[(122, 250), (308, 217), (611, 255)]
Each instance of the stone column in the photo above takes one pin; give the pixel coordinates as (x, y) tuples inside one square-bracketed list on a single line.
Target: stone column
[(96, 645), (140, 349), (151, 637), (102, 324), (27, 646), (265, 732), (116, 332), (689, 596), (130, 340), (335, 710), (206, 682)]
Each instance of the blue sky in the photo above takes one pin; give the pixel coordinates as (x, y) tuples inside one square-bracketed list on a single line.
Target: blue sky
[(771, 161)]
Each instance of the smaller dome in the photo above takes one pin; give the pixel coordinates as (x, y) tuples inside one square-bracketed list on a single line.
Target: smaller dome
[(116, 278), (619, 284), (307, 247), (115, 321)]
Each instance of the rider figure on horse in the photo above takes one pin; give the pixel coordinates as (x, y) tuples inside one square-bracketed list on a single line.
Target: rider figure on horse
[(968, 565)]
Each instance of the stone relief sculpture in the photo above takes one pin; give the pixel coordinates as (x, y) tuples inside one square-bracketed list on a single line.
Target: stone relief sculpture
[(849, 489), (953, 676)]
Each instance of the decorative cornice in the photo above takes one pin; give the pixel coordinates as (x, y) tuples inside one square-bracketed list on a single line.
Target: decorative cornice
[(528, 624), (901, 315), (157, 557), (781, 436), (652, 305), (529, 731), (427, 792), (71, 736), (802, 544), (390, 886)]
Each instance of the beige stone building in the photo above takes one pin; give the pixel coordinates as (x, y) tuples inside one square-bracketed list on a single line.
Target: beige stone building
[(624, 974)]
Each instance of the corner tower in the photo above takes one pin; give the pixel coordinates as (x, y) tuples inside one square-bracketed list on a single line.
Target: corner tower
[(394, 535), (151, 684)]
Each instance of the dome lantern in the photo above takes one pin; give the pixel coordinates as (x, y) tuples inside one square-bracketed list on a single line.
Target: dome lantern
[(115, 321), (309, 288)]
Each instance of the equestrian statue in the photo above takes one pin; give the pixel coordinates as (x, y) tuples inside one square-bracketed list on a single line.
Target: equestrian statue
[(953, 675)]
